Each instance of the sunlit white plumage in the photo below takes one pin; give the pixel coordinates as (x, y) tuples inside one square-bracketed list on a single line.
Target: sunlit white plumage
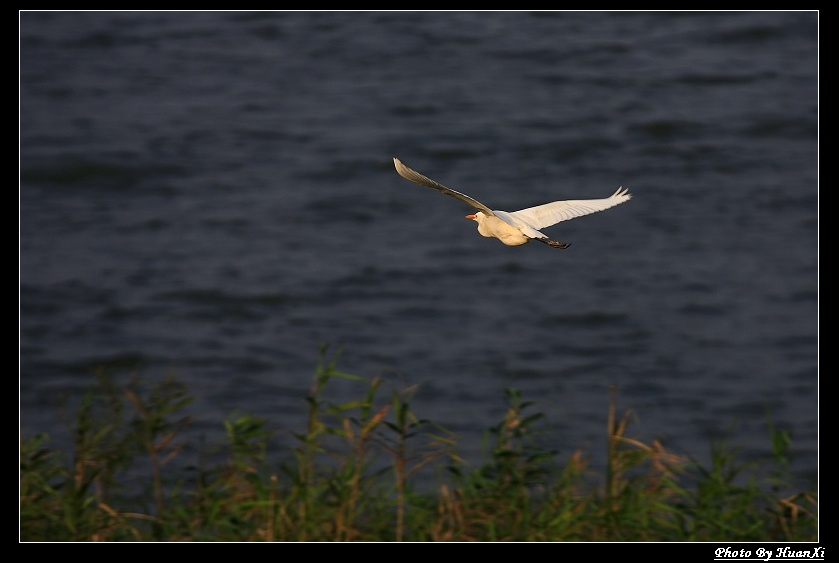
[(519, 227)]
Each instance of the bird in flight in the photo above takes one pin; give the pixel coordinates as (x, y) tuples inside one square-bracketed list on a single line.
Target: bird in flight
[(519, 227)]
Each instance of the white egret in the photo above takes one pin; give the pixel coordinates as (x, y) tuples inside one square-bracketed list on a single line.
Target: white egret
[(519, 227)]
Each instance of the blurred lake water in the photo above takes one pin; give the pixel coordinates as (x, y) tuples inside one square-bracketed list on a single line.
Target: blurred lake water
[(212, 194)]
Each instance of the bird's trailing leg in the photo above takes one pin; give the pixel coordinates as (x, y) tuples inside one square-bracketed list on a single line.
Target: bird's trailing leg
[(554, 243)]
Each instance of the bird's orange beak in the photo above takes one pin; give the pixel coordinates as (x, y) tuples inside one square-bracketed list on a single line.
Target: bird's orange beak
[(472, 216)]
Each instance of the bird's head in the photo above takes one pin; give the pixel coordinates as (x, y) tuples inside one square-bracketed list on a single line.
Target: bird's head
[(479, 216)]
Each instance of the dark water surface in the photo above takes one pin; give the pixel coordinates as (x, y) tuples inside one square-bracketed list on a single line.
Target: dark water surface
[(212, 195)]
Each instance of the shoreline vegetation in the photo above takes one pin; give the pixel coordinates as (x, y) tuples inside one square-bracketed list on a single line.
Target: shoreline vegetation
[(373, 470)]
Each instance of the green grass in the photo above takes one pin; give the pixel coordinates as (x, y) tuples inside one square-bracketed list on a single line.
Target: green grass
[(372, 470)]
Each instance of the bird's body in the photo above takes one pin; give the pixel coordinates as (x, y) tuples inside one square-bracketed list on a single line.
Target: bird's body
[(519, 227)]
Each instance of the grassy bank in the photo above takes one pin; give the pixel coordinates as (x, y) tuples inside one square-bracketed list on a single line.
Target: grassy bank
[(354, 475)]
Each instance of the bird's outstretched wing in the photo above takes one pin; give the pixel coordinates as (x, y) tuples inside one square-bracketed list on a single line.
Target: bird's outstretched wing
[(417, 178), (549, 214)]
